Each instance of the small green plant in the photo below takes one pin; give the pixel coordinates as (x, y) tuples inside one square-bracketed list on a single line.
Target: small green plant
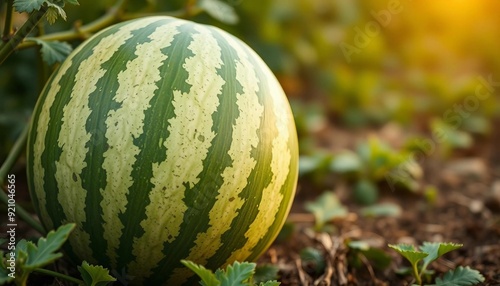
[(238, 274), (313, 259), (373, 162), (27, 257), (421, 257), (325, 208)]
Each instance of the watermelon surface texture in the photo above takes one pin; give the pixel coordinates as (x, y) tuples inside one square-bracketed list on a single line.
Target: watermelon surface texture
[(163, 139)]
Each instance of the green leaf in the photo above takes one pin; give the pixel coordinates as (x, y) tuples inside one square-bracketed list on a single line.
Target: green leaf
[(220, 11), (53, 51), (95, 275), (237, 274), (22, 252), (4, 276), (73, 2), (54, 12), (316, 166), (346, 162), (52, 15), (265, 272), (365, 192), (28, 5), (383, 209), (314, 258), (409, 252), (462, 276), (477, 125), (358, 244), (325, 208), (446, 247), (44, 252), (450, 135), (270, 283), (4, 272), (310, 164), (207, 276), (436, 250)]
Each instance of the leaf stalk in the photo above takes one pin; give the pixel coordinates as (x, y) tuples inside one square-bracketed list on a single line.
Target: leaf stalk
[(59, 275), (6, 48), (7, 28)]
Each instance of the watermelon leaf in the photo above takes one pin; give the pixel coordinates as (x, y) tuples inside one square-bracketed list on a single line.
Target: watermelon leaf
[(382, 209), (312, 256), (4, 273), (95, 275), (346, 162), (325, 208), (28, 5), (220, 11), (269, 283), (462, 276), (55, 7), (21, 251), (409, 252), (53, 51), (207, 276), (237, 274), (44, 252), (4, 277), (54, 12), (429, 252), (413, 256), (436, 250)]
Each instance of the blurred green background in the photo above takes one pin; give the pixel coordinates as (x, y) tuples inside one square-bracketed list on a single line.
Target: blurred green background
[(424, 65)]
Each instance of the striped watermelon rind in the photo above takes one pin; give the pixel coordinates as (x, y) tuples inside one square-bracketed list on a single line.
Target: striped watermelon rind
[(163, 140)]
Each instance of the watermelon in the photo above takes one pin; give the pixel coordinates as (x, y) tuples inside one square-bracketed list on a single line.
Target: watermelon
[(162, 140)]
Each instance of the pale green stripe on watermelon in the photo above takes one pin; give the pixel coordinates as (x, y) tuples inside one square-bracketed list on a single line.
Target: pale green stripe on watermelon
[(39, 145), (72, 160), (228, 200), (190, 138), (135, 100), (280, 167)]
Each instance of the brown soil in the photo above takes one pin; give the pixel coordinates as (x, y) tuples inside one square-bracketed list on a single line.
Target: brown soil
[(466, 211)]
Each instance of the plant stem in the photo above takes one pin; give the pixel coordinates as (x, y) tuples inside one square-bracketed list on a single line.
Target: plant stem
[(14, 154), (43, 67), (59, 275), (82, 32), (115, 14), (416, 274), (23, 214), (8, 47), (8, 21), (22, 280)]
